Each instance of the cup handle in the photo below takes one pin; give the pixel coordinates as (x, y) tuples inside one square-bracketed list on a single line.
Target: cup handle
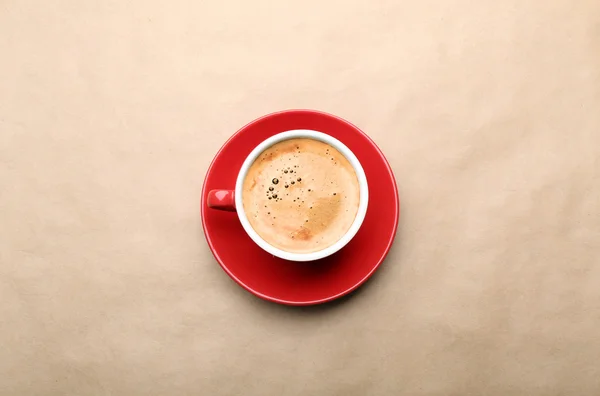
[(221, 200)]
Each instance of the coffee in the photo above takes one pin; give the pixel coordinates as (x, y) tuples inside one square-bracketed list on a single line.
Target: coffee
[(301, 195)]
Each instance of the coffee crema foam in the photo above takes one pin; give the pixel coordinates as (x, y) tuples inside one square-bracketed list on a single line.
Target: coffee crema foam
[(301, 195)]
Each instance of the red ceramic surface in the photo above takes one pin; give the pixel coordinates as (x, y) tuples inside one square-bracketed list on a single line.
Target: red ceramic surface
[(300, 283)]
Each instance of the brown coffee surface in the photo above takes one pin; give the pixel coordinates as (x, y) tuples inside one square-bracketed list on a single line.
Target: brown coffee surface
[(301, 195)]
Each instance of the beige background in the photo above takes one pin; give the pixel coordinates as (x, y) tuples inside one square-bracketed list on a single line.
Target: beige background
[(110, 112)]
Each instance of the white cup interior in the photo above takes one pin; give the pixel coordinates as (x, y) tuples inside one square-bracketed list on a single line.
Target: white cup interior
[(363, 192)]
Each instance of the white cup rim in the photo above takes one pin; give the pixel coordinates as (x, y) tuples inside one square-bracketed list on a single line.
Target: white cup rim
[(363, 194)]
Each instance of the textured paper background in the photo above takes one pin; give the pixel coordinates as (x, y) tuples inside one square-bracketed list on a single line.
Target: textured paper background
[(111, 111)]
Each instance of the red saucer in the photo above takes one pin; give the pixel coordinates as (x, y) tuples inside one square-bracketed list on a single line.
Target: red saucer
[(301, 283)]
